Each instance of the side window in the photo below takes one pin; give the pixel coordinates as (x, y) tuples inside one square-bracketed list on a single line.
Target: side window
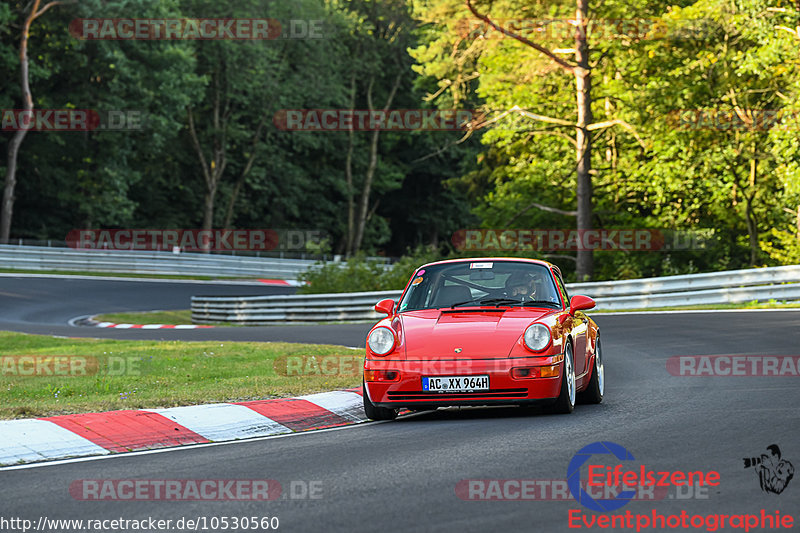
[(562, 290)]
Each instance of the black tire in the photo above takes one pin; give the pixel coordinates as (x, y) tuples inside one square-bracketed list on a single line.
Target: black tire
[(596, 388), (565, 403), (374, 412)]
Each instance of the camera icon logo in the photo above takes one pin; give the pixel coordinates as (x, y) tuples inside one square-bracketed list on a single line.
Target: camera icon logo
[(774, 472)]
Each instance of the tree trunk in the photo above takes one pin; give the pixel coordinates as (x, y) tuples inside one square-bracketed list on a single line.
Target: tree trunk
[(212, 172), (363, 210), (243, 176), (365, 192), (752, 225), (7, 208), (208, 209), (348, 174), (798, 219), (583, 85), (10, 184), (752, 229), (232, 202), (581, 70)]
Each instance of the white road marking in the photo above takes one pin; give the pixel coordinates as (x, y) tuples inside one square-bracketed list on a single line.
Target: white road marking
[(191, 447), (346, 404), (34, 440), (223, 421)]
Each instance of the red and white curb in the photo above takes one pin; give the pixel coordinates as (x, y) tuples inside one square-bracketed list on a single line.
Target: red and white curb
[(282, 282), (88, 321), (61, 437), (148, 326)]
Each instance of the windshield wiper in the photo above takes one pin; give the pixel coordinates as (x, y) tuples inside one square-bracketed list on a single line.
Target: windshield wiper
[(462, 303), (500, 301), (537, 303), (490, 301), (497, 302)]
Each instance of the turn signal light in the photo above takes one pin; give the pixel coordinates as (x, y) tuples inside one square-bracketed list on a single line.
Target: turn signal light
[(381, 375), (549, 371)]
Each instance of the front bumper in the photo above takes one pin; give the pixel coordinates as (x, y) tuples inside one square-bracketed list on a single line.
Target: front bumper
[(504, 388)]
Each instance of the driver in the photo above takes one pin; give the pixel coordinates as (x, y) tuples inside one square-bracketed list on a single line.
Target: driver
[(519, 285)]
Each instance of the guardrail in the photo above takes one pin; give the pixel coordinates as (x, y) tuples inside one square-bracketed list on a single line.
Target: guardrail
[(137, 262), (735, 286), (306, 308), (689, 282)]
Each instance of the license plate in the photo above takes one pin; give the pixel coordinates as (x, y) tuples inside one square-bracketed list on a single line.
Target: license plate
[(455, 383)]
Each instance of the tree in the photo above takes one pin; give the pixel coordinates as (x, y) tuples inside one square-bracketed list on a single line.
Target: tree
[(715, 163), (580, 68), (109, 176), (381, 35), (7, 207)]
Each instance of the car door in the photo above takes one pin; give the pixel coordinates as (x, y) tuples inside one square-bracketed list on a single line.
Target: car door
[(580, 329)]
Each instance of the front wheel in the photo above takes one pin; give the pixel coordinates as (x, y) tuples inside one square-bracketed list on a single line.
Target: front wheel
[(597, 384), (374, 412), (565, 403)]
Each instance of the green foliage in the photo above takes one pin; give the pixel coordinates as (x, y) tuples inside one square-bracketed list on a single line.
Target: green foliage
[(783, 246), (359, 274), (152, 178), (712, 55), (719, 55), (355, 275)]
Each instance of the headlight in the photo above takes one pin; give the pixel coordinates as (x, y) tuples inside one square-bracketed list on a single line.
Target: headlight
[(381, 340), (537, 337)]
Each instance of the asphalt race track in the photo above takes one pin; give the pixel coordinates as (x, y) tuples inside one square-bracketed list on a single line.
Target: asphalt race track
[(45, 305), (402, 475)]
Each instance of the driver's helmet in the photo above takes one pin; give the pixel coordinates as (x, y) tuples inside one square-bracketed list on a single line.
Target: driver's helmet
[(520, 285)]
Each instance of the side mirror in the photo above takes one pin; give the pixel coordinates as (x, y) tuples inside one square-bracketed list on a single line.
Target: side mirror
[(579, 303), (386, 306)]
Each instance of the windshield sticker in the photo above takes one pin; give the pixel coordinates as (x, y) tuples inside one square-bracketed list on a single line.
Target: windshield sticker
[(417, 281), (480, 265)]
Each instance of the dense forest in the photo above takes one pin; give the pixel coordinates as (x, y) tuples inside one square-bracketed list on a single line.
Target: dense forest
[(583, 114)]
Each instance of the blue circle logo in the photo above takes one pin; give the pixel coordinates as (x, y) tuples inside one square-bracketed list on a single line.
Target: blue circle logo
[(574, 476)]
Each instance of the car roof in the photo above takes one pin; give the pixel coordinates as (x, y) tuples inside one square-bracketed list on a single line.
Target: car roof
[(485, 259)]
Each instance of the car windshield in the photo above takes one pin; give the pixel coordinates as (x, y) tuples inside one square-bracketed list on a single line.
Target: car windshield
[(481, 283)]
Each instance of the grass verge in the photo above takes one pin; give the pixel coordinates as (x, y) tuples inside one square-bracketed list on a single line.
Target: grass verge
[(105, 375)]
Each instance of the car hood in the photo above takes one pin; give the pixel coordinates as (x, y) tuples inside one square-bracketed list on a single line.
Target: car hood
[(478, 333)]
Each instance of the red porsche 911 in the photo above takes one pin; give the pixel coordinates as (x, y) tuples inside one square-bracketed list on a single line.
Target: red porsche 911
[(483, 332)]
